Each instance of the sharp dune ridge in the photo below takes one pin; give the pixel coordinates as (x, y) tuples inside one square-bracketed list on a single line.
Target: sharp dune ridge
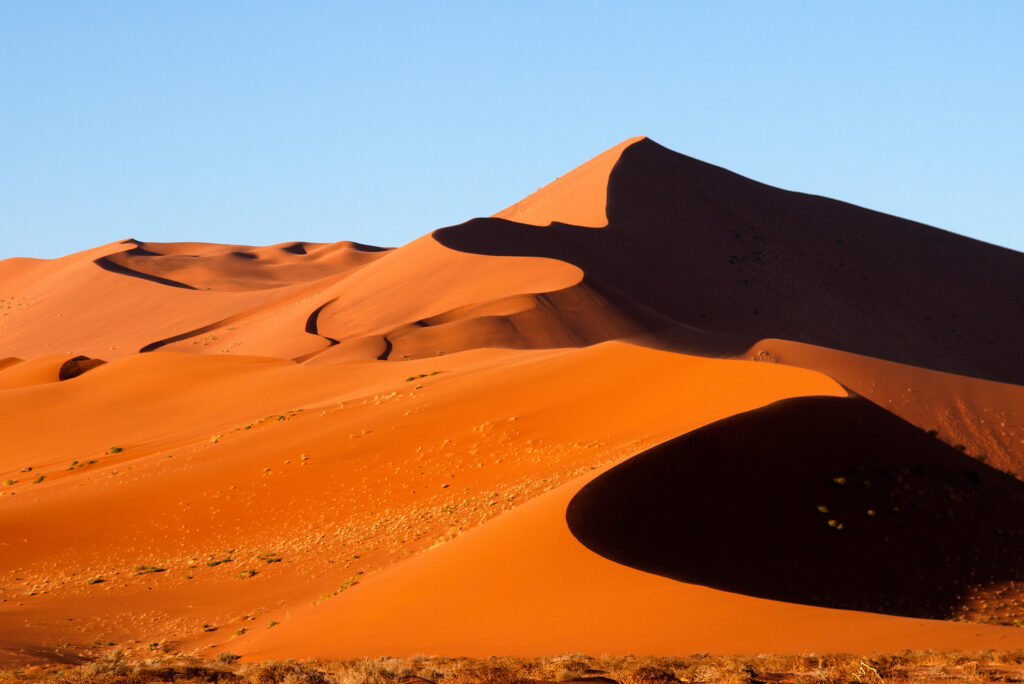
[(654, 407)]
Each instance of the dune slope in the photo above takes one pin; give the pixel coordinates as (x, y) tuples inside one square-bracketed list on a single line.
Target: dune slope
[(472, 596)]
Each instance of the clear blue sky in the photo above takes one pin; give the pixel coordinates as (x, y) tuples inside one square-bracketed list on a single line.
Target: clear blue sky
[(260, 122)]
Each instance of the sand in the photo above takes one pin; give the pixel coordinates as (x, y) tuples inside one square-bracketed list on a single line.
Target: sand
[(601, 421)]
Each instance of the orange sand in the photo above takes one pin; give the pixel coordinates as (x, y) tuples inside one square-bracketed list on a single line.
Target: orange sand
[(372, 451)]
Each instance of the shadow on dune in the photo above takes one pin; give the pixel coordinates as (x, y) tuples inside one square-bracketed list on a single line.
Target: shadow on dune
[(823, 501), (714, 251), (76, 366), (107, 264)]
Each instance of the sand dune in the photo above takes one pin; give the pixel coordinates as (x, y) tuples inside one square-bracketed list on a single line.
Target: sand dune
[(524, 565), (507, 436), (392, 467), (858, 483), (71, 305), (979, 417), (199, 266), (527, 568), (719, 252)]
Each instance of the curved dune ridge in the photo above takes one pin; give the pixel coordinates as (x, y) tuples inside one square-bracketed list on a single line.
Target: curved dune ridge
[(199, 266), (654, 407)]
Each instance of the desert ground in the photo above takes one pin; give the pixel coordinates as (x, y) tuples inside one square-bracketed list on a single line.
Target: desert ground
[(653, 409)]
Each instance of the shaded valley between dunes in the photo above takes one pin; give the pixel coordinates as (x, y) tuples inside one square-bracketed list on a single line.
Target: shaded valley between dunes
[(654, 407)]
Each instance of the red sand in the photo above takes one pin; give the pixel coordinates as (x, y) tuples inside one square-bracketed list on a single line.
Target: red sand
[(337, 438)]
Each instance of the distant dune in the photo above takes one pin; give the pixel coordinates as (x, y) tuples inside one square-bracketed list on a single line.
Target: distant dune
[(654, 407)]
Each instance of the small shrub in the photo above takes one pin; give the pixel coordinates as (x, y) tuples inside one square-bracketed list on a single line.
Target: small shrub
[(350, 582), (227, 658), (114, 450), (96, 580), (247, 573)]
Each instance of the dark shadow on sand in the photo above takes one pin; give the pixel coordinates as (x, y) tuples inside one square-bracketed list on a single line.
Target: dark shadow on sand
[(824, 501)]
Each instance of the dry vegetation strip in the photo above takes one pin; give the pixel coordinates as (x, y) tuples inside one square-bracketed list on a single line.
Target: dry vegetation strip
[(908, 666)]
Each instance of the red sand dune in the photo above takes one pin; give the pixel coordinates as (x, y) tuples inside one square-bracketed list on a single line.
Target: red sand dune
[(507, 436)]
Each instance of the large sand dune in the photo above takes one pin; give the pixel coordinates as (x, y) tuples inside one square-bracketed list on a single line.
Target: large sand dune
[(654, 407)]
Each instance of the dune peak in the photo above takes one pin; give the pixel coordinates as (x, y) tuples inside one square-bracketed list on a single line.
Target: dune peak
[(577, 198)]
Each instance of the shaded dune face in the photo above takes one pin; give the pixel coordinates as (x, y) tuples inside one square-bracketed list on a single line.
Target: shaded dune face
[(825, 501), (714, 251)]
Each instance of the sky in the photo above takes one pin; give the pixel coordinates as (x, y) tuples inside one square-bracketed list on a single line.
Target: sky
[(264, 122)]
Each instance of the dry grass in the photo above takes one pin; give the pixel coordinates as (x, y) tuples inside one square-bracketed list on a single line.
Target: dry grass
[(904, 667)]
